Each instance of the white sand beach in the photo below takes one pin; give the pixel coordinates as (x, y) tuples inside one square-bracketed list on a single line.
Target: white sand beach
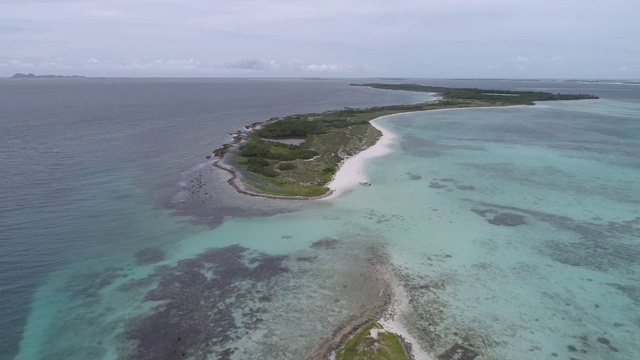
[(351, 170)]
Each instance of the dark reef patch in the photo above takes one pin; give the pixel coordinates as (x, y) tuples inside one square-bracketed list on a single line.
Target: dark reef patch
[(150, 255), (465, 187), (325, 244), (431, 321), (437, 185), (414, 176), (507, 219), (429, 148), (458, 352), (484, 213), (87, 286), (308, 259), (631, 291), (599, 246), (200, 300)]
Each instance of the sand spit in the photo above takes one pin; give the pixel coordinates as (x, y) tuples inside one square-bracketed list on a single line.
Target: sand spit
[(391, 321), (386, 310), (373, 312)]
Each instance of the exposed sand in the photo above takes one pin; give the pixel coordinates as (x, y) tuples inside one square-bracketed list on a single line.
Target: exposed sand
[(351, 171), (391, 320)]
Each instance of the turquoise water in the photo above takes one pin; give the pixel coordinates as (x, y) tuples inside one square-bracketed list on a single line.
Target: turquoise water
[(563, 282), (515, 232)]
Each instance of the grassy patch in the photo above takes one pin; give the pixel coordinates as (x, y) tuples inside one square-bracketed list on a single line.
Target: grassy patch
[(287, 189), (363, 346)]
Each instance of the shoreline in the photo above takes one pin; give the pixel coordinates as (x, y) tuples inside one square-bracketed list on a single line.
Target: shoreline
[(351, 171), (391, 321), (310, 180)]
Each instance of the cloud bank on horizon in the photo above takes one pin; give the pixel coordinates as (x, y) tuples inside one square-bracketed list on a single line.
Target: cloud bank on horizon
[(357, 38)]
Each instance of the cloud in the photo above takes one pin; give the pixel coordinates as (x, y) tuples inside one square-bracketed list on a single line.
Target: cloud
[(335, 68), (323, 67), (462, 38), (94, 66), (252, 65), (520, 59), (20, 65)]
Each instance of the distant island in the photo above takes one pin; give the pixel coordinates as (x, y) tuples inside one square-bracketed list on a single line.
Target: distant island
[(33, 76), (298, 156)]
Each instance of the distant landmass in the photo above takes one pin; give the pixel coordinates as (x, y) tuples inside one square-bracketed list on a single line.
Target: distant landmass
[(33, 76)]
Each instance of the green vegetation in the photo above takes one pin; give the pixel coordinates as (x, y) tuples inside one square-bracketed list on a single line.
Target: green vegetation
[(275, 168), (275, 151), (303, 170), (372, 343), (286, 166), (512, 97), (291, 128)]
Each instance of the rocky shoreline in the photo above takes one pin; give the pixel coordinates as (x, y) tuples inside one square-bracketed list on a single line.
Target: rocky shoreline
[(236, 182)]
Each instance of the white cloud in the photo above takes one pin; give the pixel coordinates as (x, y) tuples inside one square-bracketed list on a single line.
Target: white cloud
[(21, 65), (323, 67), (520, 59), (252, 65), (336, 68)]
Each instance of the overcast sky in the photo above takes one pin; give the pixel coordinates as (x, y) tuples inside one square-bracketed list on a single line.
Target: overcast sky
[(337, 38)]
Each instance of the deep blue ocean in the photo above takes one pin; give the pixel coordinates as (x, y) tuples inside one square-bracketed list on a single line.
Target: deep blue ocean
[(96, 175)]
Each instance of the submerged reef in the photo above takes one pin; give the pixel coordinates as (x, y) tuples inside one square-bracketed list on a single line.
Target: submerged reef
[(198, 312), (325, 243), (458, 352), (150, 255), (597, 246), (507, 219), (501, 219), (431, 323)]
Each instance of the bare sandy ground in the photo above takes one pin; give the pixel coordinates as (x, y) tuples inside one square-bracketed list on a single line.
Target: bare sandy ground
[(351, 171)]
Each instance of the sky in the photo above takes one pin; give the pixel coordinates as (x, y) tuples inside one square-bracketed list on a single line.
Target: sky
[(586, 39)]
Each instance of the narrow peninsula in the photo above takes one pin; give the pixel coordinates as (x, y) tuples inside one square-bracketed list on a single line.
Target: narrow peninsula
[(296, 157)]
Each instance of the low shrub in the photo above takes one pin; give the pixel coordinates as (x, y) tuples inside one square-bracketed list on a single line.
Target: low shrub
[(286, 166)]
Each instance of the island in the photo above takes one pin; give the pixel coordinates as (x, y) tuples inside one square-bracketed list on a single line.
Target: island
[(372, 341), (33, 76), (297, 156)]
